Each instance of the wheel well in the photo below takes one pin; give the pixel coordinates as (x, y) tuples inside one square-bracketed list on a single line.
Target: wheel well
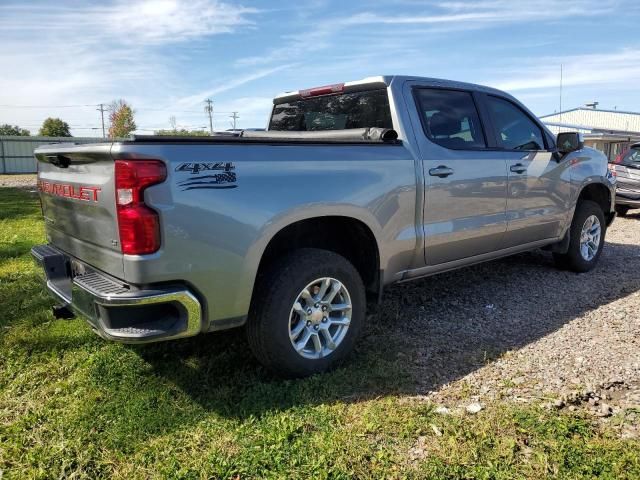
[(598, 193), (343, 235)]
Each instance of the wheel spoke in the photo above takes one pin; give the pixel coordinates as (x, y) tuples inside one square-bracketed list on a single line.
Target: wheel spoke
[(306, 294), (295, 333), (323, 289), (339, 307), (299, 309), (344, 321), (335, 288), (328, 339), (303, 342), (316, 342)]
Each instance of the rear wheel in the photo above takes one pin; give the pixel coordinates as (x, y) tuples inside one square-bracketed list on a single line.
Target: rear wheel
[(307, 313), (587, 233), (622, 210)]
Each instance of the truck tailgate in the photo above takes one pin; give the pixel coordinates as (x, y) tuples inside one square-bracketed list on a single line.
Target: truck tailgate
[(76, 185)]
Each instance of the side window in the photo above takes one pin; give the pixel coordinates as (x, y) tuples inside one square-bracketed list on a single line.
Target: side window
[(450, 118), (514, 128)]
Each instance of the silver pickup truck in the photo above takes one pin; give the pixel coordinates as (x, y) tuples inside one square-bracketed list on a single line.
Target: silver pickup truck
[(290, 231)]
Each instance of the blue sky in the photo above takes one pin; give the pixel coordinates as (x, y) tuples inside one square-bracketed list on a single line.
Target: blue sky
[(166, 56)]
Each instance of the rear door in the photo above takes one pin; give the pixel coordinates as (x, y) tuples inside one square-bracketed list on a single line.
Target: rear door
[(76, 188), (539, 187), (465, 181)]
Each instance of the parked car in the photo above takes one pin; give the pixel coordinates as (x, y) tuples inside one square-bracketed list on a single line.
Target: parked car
[(288, 232), (626, 168)]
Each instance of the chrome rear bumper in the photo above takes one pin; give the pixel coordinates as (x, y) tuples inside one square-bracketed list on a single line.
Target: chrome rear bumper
[(115, 310)]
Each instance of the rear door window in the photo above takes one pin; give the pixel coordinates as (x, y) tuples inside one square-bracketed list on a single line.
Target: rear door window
[(450, 118), (515, 130), (334, 112)]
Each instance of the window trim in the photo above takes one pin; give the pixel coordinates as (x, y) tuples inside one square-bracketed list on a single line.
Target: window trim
[(425, 130), (547, 147)]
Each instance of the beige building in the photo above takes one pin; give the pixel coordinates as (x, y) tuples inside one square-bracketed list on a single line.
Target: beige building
[(610, 131)]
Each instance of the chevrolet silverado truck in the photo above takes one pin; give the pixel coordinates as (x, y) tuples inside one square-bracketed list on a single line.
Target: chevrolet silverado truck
[(291, 231)]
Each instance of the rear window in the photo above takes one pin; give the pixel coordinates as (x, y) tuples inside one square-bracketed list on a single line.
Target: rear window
[(334, 112)]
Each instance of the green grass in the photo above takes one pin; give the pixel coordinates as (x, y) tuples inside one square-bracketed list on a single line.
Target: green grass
[(73, 405)]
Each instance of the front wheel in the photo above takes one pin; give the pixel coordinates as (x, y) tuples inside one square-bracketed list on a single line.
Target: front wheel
[(307, 313), (587, 233)]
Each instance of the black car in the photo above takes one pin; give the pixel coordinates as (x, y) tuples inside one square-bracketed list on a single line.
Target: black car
[(626, 168)]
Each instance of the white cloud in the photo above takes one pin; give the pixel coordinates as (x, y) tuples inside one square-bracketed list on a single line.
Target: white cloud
[(612, 68), (446, 16)]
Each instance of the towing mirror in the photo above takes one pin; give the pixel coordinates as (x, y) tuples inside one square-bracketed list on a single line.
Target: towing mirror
[(569, 142)]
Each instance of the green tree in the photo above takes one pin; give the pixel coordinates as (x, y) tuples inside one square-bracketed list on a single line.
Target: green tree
[(54, 127), (13, 130), (121, 118)]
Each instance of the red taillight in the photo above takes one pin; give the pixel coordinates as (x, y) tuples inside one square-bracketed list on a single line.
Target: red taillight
[(138, 225), (326, 90)]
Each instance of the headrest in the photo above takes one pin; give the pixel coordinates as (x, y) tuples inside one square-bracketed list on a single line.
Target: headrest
[(443, 125)]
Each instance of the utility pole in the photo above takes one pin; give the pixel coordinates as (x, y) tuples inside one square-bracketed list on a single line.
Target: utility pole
[(101, 110), (208, 108), (235, 117)]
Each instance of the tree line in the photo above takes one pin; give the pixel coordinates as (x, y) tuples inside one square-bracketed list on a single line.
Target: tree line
[(121, 124)]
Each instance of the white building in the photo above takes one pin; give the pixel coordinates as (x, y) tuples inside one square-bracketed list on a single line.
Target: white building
[(610, 131)]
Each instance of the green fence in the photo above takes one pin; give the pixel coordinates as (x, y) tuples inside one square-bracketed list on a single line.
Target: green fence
[(16, 153)]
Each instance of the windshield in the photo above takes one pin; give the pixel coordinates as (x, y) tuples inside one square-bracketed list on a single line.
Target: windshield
[(631, 158), (334, 112)]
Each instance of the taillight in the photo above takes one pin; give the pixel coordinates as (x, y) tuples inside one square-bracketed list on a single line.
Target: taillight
[(138, 225)]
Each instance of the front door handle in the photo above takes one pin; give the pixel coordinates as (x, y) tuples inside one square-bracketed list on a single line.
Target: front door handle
[(441, 171), (518, 168)]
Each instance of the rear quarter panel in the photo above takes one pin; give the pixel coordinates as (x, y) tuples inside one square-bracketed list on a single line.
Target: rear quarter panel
[(213, 238)]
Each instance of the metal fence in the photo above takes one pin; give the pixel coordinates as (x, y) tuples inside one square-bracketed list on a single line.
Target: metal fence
[(16, 153)]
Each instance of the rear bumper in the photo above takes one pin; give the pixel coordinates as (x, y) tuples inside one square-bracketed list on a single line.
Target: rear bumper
[(115, 310)]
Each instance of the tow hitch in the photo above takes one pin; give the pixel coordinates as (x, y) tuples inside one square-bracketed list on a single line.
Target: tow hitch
[(62, 311)]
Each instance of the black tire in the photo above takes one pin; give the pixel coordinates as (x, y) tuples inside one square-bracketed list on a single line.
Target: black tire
[(622, 210), (274, 296), (573, 259)]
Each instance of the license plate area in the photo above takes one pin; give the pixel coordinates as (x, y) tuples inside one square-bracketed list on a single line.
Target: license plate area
[(57, 269)]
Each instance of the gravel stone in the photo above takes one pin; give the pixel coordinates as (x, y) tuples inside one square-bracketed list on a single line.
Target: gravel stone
[(548, 333)]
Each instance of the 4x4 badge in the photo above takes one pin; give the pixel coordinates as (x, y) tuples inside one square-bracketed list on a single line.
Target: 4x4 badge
[(196, 168)]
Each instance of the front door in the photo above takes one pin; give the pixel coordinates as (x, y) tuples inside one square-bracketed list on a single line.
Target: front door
[(539, 185), (465, 182)]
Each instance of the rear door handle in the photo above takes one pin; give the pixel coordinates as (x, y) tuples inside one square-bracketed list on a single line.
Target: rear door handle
[(441, 171), (518, 168)]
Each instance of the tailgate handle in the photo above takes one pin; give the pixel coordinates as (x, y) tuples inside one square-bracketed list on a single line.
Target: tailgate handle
[(59, 160)]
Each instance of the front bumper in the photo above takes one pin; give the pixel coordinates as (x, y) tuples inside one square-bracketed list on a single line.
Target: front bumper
[(115, 310), (628, 197)]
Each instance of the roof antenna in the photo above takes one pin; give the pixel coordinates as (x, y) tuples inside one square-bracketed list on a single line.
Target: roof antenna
[(560, 120)]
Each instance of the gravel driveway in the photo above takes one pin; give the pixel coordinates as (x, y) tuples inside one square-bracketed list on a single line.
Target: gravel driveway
[(520, 330), (27, 180)]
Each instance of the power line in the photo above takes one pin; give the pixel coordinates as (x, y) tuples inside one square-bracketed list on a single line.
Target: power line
[(48, 106)]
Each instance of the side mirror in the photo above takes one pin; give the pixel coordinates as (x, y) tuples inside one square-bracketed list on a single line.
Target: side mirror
[(569, 142)]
